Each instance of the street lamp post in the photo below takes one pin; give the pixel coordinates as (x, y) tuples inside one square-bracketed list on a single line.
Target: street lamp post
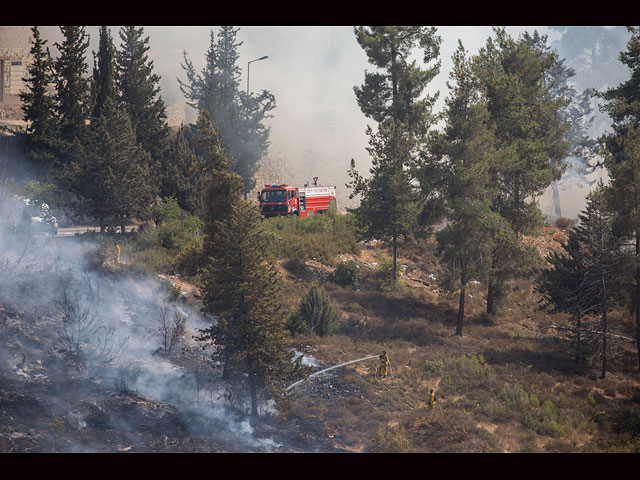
[(248, 64)]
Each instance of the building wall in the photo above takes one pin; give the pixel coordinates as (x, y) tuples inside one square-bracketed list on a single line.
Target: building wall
[(15, 44)]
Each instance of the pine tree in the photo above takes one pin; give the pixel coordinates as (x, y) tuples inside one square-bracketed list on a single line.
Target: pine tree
[(621, 156), (601, 254), (72, 87), (103, 85), (38, 106), (388, 202), (465, 149), (238, 116), (181, 174), (110, 171), (138, 92), (560, 286), (317, 311), (529, 131), (393, 97), (242, 290)]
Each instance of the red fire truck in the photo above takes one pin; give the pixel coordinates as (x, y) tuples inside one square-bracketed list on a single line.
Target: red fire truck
[(282, 199)]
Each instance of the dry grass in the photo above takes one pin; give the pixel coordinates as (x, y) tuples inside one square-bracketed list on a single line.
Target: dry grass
[(502, 387)]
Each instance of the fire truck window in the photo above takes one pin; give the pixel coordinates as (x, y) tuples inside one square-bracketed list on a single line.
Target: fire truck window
[(273, 196)]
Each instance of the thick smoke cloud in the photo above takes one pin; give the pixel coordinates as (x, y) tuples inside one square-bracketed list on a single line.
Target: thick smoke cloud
[(57, 293)]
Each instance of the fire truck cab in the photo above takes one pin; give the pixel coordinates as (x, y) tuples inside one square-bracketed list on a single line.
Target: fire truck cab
[(282, 199)]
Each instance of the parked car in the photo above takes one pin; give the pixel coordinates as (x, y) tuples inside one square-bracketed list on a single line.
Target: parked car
[(41, 217)]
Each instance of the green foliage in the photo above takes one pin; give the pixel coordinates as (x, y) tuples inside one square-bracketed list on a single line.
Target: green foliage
[(467, 372), (167, 210), (347, 273), (295, 323), (393, 95), (72, 89), (317, 312), (37, 104), (182, 173), (239, 116), (321, 237), (110, 171), (434, 366), (138, 92), (384, 277), (242, 290)]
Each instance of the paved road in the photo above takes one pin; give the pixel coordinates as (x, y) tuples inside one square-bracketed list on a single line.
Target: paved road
[(72, 231)]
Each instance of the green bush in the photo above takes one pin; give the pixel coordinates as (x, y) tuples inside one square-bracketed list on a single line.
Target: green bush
[(434, 366), (320, 237), (347, 273), (384, 277), (468, 373), (295, 323), (317, 312), (166, 211)]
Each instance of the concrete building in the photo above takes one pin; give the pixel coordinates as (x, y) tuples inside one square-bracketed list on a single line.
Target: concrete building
[(15, 44)]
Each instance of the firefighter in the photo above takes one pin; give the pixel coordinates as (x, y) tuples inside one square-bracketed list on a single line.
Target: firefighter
[(432, 399), (116, 252), (383, 368)]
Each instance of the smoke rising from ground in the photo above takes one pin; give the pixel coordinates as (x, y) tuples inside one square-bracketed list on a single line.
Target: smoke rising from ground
[(77, 320)]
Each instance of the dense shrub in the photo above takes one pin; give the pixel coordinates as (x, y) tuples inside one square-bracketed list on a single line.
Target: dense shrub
[(316, 312), (165, 211), (321, 237), (177, 241), (384, 277), (347, 273), (295, 323)]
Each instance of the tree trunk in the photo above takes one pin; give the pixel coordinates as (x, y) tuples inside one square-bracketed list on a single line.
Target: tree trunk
[(604, 323), (103, 227), (491, 289), (578, 337), (254, 398), (395, 255), (637, 299), (122, 227), (604, 339), (463, 284), (556, 199)]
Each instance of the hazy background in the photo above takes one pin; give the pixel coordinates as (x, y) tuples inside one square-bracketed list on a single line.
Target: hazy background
[(317, 125)]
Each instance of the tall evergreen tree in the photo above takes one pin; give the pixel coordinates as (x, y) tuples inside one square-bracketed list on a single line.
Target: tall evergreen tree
[(394, 97), (242, 290), (182, 174), (138, 92), (103, 85), (529, 130), (621, 155), (38, 106), (240, 117), (110, 171), (72, 86), (577, 112), (601, 254), (465, 149)]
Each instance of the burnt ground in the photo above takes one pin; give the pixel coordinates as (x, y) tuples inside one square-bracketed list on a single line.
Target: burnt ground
[(49, 405)]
